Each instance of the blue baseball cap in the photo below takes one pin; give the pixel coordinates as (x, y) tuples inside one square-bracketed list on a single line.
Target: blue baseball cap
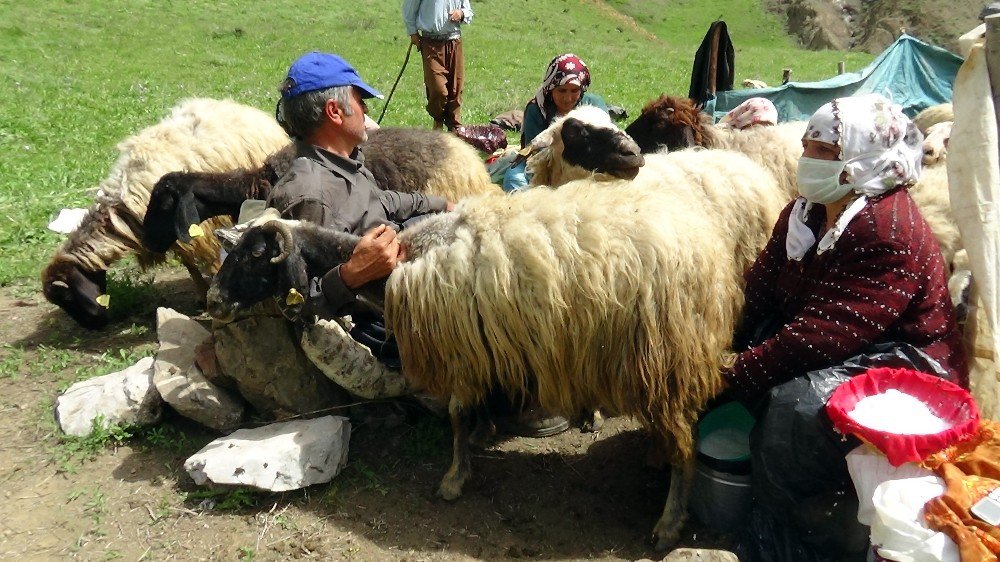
[(319, 71)]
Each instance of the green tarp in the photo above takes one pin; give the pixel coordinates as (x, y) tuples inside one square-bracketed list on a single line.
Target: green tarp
[(912, 73)]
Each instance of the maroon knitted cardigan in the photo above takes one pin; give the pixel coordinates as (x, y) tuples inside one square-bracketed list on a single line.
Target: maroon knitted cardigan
[(883, 281)]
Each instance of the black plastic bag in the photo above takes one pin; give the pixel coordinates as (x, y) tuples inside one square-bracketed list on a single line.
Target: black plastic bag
[(805, 508)]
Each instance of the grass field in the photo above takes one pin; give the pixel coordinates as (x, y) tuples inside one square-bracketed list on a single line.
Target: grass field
[(80, 76)]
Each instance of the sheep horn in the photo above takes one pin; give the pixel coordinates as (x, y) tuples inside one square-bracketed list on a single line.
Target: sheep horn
[(285, 238)]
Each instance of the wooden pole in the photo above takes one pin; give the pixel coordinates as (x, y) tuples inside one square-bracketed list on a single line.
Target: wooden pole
[(840, 67), (786, 75)]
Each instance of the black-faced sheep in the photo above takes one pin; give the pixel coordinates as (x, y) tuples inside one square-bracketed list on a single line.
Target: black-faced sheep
[(717, 176), (197, 135), (614, 294), (583, 143), (409, 160)]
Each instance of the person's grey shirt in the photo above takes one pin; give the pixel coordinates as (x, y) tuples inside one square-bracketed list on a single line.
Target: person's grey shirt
[(430, 17), (340, 193)]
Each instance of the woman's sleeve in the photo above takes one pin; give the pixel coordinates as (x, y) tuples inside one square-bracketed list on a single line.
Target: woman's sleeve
[(532, 125), (862, 294), (760, 281)]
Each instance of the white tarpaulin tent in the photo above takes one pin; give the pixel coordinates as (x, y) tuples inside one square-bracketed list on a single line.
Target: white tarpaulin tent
[(974, 185)]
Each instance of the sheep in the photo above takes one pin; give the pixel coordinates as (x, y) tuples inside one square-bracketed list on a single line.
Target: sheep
[(410, 160), (934, 114), (536, 285), (584, 142), (197, 135), (677, 123), (753, 84), (716, 175), (936, 143)]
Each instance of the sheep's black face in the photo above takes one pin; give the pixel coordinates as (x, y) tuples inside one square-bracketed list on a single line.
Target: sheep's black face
[(247, 276), (600, 149), (75, 291), (171, 211)]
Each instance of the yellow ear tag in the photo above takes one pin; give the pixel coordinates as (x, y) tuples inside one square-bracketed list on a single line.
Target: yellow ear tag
[(294, 297), (103, 300), (195, 231)]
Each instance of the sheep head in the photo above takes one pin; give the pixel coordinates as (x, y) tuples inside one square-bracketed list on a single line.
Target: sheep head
[(277, 258), (265, 262), (669, 122), (936, 143), (171, 211), (77, 291), (586, 140)]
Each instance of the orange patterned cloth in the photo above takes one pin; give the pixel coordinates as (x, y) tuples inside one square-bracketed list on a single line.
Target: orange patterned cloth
[(971, 470)]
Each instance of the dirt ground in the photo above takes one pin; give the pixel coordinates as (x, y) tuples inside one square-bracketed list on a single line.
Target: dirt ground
[(573, 496)]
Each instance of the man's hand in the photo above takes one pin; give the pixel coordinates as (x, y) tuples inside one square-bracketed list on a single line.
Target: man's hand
[(376, 254), (415, 39), (456, 15)]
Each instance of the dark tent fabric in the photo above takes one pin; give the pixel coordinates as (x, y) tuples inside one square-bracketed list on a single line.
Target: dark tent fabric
[(705, 82), (909, 72)]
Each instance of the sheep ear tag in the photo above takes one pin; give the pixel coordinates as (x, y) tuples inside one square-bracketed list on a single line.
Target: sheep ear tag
[(195, 231), (294, 297), (103, 300)]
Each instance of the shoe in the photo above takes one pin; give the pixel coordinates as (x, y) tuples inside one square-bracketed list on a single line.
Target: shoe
[(533, 422)]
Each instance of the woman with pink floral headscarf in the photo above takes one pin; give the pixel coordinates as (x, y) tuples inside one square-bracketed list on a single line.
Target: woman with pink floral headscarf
[(851, 277), (564, 88)]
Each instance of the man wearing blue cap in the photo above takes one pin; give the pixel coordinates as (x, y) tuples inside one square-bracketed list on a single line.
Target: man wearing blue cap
[(323, 107), (435, 28)]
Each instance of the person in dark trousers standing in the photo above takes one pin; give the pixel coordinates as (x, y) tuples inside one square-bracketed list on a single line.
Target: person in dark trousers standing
[(435, 28)]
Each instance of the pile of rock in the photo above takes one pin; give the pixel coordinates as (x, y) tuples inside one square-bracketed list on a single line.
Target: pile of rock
[(274, 377)]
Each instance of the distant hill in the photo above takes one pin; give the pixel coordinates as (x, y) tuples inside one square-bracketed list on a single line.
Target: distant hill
[(874, 24)]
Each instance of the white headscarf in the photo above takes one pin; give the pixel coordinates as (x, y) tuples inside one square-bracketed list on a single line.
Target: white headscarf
[(881, 148)]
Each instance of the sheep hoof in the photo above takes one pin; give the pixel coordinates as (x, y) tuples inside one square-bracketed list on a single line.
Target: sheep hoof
[(450, 490), (592, 423), (667, 533)]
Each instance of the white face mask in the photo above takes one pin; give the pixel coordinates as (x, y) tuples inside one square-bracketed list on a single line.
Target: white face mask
[(819, 180)]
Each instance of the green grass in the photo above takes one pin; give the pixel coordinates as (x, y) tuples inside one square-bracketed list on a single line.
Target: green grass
[(80, 76)]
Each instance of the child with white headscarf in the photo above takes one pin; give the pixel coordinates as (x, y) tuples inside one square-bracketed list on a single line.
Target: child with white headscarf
[(852, 273)]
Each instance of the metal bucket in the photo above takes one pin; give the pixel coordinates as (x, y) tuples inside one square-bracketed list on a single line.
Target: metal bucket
[(719, 499), (721, 496)]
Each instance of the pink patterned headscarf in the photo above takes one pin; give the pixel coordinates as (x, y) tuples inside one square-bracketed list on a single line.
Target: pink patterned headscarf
[(564, 69), (754, 111)]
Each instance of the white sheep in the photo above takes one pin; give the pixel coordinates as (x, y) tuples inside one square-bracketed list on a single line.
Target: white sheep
[(936, 143), (198, 135), (934, 114)]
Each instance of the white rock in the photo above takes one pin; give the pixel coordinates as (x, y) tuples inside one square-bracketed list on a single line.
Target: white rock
[(67, 221), (181, 383), (123, 397), (277, 457)]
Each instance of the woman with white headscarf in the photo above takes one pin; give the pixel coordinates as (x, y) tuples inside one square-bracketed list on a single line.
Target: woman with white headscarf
[(852, 274)]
